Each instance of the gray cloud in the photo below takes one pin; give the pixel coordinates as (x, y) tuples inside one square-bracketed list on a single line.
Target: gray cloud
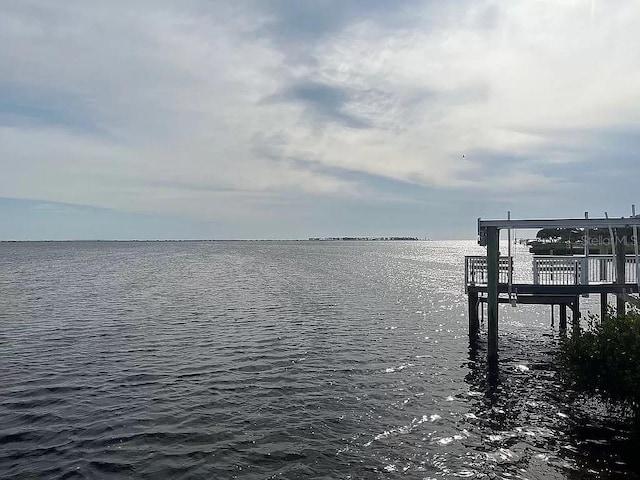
[(322, 102), (300, 21)]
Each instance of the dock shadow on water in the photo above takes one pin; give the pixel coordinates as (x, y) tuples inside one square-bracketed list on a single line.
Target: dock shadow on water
[(526, 424)]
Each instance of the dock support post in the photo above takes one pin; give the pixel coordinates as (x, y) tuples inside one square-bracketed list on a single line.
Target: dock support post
[(576, 314), (604, 303), (620, 261), (493, 258), (563, 316), (474, 324)]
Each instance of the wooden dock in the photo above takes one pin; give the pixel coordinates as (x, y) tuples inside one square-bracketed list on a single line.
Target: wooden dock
[(554, 280)]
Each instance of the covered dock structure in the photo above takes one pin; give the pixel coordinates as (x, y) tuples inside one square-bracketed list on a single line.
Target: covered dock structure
[(555, 280)]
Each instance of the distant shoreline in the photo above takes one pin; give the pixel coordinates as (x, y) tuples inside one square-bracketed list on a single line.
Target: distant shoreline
[(364, 239)]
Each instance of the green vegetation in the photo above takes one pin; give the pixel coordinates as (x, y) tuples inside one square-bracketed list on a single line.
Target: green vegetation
[(570, 241), (604, 360), (559, 234), (577, 234)]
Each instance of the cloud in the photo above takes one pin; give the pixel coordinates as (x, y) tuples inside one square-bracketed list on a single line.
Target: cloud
[(322, 102), (233, 110), (540, 66)]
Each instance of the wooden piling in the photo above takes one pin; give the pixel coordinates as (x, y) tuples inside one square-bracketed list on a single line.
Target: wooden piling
[(563, 316), (575, 321), (474, 323), (493, 256), (604, 303)]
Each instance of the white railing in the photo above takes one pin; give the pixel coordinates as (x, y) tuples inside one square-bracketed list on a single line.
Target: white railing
[(555, 270), (579, 270), (475, 270)]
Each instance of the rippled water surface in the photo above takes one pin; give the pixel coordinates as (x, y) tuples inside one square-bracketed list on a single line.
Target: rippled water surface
[(292, 360)]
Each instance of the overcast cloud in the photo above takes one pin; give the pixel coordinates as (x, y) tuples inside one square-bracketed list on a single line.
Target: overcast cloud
[(276, 119)]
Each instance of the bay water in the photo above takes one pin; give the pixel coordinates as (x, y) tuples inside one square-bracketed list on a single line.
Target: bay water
[(262, 359)]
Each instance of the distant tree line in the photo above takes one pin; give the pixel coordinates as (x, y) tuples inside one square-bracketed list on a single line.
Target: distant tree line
[(577, 234)]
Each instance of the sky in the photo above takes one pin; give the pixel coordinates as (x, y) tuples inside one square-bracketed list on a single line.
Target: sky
[(209, 119)]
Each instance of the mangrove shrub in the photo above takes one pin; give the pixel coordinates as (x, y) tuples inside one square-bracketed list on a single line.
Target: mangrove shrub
[(604, 359)]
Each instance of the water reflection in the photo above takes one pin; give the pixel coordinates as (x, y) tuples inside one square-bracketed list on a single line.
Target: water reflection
[(528, 425)]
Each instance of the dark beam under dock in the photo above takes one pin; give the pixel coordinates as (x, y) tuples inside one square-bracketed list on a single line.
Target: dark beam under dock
[(528, 289)]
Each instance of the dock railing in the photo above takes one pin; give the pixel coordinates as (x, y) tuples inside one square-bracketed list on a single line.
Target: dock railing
[(475, 270), (558, 270), (580, 270), (555, 270)]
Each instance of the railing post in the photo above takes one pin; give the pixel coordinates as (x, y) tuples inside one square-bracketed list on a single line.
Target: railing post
[(636, 249), (493, 258), (620, 267), (466, 274), (584, 272)]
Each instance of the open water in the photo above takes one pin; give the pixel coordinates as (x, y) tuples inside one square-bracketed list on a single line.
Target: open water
[(254, 360)]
